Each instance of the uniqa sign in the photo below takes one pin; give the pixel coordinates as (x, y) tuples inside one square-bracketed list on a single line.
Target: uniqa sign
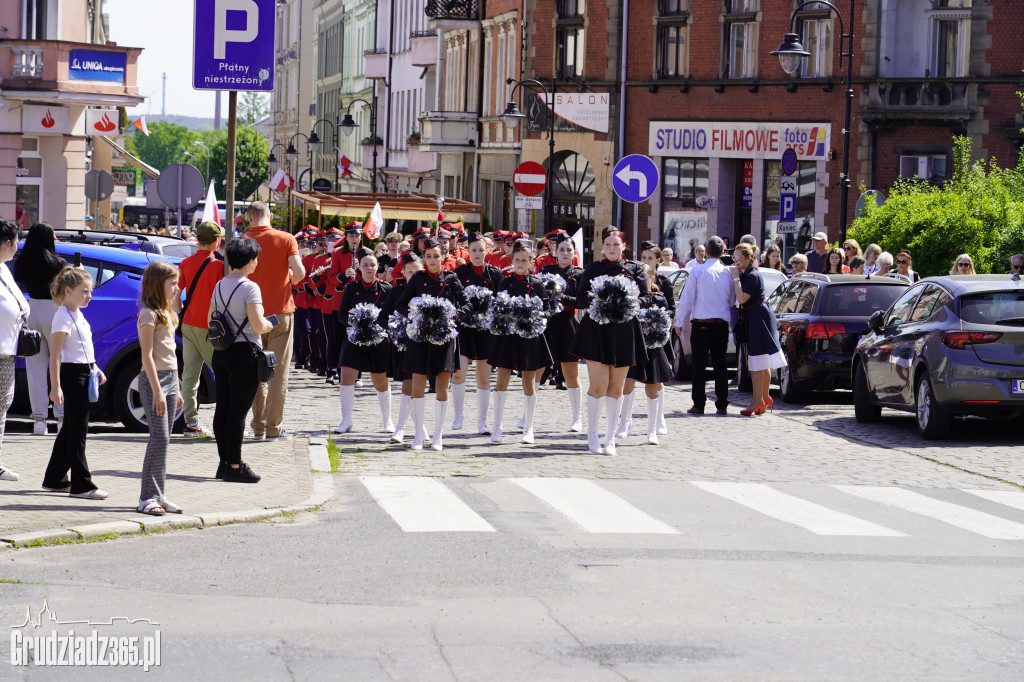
[(756, 140), (96, 65)]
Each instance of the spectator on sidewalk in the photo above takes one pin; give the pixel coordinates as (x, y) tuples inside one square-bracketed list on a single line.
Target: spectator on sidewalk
[(1017, 264), (199, 274), (797, 264), (816, 256), (13, 312), (37, 265), (884, 263), (278, 267)]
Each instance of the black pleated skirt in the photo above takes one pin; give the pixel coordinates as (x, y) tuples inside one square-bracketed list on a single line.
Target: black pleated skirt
[(475, 344), (657, 369), (431, 359), (519, 354), (396, 360), (618, 345), (559, 334), (373, 359)]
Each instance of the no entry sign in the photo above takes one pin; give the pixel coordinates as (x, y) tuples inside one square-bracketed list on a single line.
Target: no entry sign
[(529, 178)]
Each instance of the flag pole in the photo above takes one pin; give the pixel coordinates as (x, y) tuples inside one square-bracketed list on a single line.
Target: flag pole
[(229, 213)]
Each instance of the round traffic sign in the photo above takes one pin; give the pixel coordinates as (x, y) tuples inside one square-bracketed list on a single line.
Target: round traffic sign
[(180, 185), (530, 178), (99, 184), (789, 161), (635, 178)]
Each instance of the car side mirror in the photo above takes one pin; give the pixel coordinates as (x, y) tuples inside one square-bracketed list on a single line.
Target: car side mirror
[(875, 321)]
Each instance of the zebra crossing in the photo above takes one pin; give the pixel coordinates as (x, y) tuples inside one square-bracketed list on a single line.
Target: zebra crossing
[(595, 507)]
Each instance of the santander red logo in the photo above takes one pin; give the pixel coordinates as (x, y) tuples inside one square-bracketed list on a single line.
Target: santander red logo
[(105, 125), (48, 120)]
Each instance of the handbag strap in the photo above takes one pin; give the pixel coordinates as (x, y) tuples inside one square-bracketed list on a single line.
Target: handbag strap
[(238, 329), (195, 281), (93, 361), (18, 297)]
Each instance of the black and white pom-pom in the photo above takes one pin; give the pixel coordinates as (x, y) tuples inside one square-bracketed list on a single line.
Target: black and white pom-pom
[(431, 320), (363, 329), (554, 287), (397, 331), (500, 318), (528, 315), (479, 307), (615, 299), (656, 326)]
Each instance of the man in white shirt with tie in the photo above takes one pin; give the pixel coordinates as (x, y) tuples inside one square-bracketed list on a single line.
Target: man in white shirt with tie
[(708, 299)]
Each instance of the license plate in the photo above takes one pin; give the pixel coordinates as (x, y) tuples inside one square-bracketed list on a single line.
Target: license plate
[(1017, 386)]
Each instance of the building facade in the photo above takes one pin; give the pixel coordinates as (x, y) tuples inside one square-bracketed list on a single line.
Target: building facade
[(293, 102), (62, 83)]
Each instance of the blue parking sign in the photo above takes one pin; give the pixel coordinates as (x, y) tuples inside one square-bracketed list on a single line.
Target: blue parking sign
[(234, 45)]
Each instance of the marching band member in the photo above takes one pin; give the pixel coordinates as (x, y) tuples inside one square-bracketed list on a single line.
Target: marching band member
[(498, 250), (411, 264), (562, 327), (475, 344), (365, 347), (342, 271), (521, 347), (609, 337), (550, 256), (650, 254), (320, 262), (300, 332), (436, 352), (418, 237)]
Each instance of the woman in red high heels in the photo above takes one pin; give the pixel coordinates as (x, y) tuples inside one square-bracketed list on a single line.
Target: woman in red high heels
[(763, 350)]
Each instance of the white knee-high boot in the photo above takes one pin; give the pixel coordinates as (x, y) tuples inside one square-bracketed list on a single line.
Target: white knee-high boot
[(531, 408), (458, 399), (593, 424), (440, 414), (483, 399), (662, 425), (499, 410), (419, 432), (347, 395), (404, 407), (613, 407), (575, 403), (626, 418), (384, 400), (652, 421)]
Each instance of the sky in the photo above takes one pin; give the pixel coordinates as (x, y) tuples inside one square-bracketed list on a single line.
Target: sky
[(163, 28)]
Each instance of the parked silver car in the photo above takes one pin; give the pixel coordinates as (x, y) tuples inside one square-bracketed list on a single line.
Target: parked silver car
[(948, 346)]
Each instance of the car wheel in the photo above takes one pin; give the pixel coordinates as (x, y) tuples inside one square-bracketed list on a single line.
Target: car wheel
[(933, 422), (128, 400), (865, 411), (787, 390), (743, 381)]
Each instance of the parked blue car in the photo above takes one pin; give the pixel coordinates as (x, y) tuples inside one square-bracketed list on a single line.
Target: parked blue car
[(113, 315)]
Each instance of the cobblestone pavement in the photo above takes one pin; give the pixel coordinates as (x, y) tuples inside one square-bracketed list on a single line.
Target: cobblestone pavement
[(115, 459), (814, 444)]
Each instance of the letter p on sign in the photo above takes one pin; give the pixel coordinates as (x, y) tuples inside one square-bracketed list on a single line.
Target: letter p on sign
[(222, 35)]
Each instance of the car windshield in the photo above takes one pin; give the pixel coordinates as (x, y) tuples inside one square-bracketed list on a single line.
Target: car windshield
[(183, 250), (858, 300), (994, 307)]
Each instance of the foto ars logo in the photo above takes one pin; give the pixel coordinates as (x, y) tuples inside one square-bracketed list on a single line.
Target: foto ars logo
[(47, 120), (105, 125)]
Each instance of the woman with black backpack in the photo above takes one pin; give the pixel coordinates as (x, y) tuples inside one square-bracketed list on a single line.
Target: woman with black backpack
[(238, 305)]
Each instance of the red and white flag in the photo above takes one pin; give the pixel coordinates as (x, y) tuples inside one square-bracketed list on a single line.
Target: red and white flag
[(211, 211), (345, 166), (375, 224), (281, 181), (141, 125)]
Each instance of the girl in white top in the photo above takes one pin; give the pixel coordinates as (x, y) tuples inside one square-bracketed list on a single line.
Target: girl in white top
[(72, 360), (13, 311)]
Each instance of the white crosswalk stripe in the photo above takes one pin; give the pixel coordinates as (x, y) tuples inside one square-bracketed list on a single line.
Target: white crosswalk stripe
[(420, 505), (1007, 498), (972, 520), (790, 509), (593, 508)]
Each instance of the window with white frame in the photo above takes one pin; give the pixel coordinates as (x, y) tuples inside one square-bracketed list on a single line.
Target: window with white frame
[(511, 61), (488, 59), (569, 38), (816, 35), (741, 33), (672, 38), (951, 29), (500, 73)]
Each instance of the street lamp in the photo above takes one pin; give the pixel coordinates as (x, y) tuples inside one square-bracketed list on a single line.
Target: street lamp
[(349, 126), (197, 143), (791, 55), (513, 116), (334, 129)]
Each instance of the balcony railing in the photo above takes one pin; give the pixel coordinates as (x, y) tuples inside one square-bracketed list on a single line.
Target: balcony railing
[(375, 63), (465, 10), (941, 99), (27, 61), (448, 131), (424, 48)]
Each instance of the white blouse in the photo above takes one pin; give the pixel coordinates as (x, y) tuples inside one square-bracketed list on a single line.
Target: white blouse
[(78, 345), (12, 311)]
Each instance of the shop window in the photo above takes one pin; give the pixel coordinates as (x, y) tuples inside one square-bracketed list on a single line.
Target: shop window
[(683, 222), (569, 38), (740, 50), (672, 35)]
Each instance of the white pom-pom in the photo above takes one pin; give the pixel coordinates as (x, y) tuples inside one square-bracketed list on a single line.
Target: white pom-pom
[(615, 299), (363, 329)]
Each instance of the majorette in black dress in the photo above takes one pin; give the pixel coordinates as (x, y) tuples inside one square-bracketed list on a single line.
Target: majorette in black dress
[(374, 359), (396, 358), (670, 299), (657, 369), (475, 344), (616, 344), (563, 324), (516, 352), (428, 358)]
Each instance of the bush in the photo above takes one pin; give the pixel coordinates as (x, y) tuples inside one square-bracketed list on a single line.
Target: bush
[(979, 212)]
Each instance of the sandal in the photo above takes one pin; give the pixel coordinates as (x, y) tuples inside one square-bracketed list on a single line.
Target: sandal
[(170, 507), (151, 507)]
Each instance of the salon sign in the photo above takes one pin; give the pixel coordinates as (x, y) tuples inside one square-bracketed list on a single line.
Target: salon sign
[(755, 140)]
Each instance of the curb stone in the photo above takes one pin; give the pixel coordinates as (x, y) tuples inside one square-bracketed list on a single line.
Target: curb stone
[(323, 490)]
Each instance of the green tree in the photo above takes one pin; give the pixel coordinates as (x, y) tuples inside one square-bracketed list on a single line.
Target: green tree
[(980, 212), (250, 146), (252, 106), (166, 145)]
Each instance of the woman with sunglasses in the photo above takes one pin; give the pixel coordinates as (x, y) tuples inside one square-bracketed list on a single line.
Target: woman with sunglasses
[(963, 265), (903, 263), (851, 249)]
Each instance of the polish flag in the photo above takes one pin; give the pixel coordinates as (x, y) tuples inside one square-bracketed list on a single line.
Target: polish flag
[(141, 125), (281, 181), (210, 210), (375, 224), (345, 166)]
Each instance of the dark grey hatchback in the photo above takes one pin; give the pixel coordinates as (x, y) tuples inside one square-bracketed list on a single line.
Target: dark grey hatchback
[(948, 346)]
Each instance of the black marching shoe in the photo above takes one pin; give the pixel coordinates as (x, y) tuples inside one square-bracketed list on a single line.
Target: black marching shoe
[(243, 474)]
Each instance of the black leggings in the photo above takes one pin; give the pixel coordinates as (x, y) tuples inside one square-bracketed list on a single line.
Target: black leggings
[(69, 446), (234, 371)]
